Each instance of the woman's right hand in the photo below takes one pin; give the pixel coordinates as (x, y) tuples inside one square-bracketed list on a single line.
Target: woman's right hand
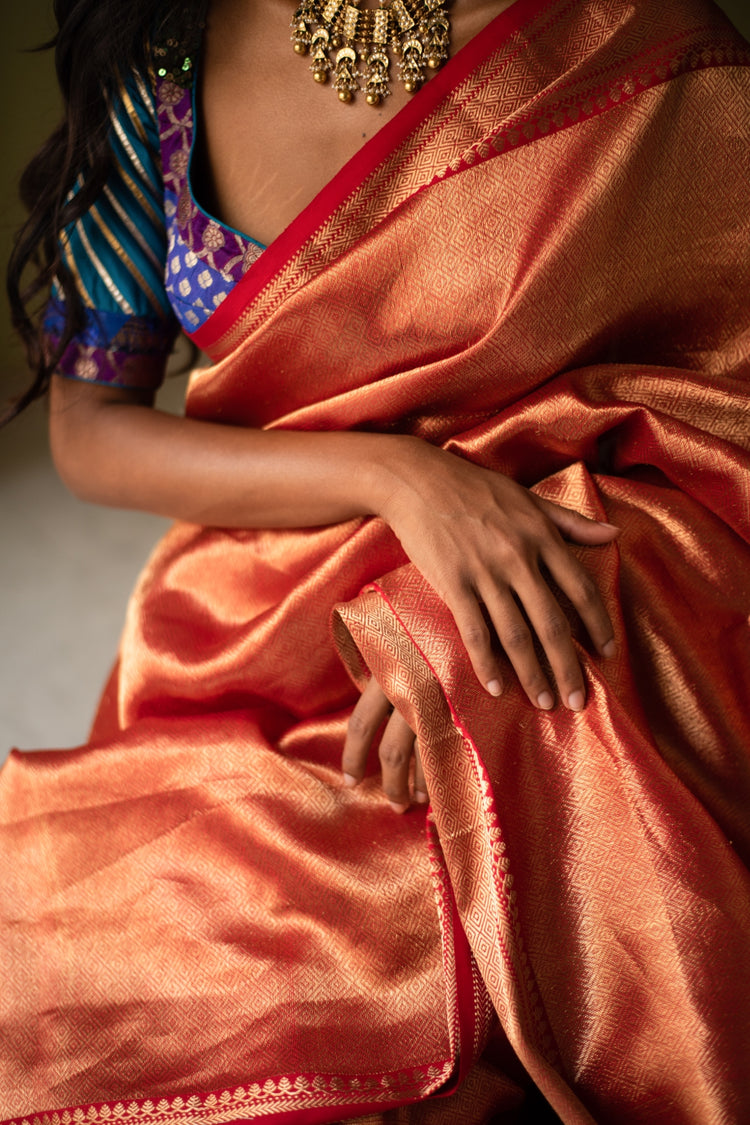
[(482, 540)]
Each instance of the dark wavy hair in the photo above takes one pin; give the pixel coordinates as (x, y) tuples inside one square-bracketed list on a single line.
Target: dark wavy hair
[(97, 43)]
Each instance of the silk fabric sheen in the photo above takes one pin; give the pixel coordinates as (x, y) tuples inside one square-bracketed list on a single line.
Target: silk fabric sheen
[(541, 265)]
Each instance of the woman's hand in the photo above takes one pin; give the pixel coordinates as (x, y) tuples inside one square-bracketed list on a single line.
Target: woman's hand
[(481, 540), (484, 543)]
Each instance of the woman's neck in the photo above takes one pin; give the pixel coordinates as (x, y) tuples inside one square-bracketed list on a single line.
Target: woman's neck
[(268, 137)]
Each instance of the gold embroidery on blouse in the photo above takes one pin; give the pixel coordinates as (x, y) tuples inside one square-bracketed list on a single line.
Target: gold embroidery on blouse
[(125, 142), (133, 187), (132, 228), (71, 264), (104, 274), (125, 259)]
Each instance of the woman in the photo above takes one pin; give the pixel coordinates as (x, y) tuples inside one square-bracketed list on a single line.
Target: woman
[(493, 324)]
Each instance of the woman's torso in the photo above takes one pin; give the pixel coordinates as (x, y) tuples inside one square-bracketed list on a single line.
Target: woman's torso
[(270, 137)]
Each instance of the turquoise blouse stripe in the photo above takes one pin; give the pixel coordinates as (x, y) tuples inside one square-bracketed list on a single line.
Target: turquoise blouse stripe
[(119, 247)]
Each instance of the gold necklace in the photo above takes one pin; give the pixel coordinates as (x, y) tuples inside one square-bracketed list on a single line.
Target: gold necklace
[(339, 35)]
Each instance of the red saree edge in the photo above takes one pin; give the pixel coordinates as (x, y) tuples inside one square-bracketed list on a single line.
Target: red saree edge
[(550, 1054), (216, 1106), (465, 987), (348, 178), (457, 721)]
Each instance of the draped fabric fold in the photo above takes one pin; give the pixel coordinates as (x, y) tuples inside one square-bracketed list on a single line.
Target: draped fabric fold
[(541, 265)]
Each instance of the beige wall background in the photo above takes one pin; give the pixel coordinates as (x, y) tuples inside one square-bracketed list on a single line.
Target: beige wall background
[(66, 568)]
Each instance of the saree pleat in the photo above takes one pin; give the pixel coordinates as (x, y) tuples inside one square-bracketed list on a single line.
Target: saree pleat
[(543, 267)]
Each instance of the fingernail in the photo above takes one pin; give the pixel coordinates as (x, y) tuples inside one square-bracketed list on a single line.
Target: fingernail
[(398, 808), (545, 700), (420, 797), (494, 687), (609, 649), (350, 781), (576, 701), (609, 526)]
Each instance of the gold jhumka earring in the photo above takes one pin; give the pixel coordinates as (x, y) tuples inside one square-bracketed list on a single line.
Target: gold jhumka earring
[(339, 35)]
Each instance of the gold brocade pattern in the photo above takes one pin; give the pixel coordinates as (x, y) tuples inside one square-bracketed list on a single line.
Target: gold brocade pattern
[(199, 921), (462, 797), (412, 647), (178, 943)]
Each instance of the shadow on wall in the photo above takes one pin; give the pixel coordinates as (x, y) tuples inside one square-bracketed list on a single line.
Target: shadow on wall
[(31, 111), (66, 569)]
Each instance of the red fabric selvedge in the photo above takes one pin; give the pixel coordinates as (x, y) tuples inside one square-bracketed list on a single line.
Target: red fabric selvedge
[(319, 1115), (466, 1013), (348, 178), (191, 1108), (461, 728)]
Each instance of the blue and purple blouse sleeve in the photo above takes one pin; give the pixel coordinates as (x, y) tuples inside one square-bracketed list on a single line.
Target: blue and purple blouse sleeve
[(116, 253)]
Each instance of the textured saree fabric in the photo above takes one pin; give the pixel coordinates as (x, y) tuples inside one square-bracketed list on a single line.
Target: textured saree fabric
[(542, 265)]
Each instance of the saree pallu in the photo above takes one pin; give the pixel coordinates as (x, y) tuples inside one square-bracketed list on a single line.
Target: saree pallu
[(540, 264)]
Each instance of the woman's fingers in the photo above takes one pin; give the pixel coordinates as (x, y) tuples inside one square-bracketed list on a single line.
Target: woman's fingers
[(583, 592), (421, 796), (371, 709), (495, 586), (481, 540), (577, 527), (544, 618), (476, 638), (547, 620), (573, 578), (518, 643), (553, 630), (396, 748), (395, 753), (478, 536)]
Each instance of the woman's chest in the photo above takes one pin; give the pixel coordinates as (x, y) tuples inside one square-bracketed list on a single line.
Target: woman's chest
[(269, 136)]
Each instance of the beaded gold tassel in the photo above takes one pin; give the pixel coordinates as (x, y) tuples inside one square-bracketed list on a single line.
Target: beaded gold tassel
[(339, 35)]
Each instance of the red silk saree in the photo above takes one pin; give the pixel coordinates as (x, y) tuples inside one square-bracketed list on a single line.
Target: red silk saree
[(542, 265)]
